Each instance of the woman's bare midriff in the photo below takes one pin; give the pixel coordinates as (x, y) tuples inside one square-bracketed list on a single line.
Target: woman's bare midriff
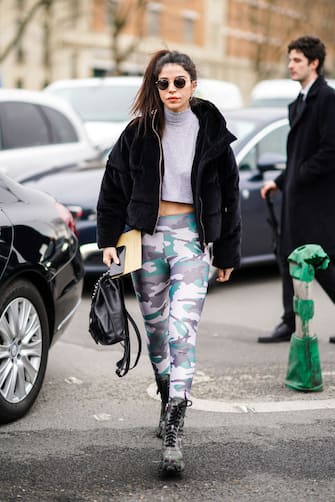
[(167, 208)]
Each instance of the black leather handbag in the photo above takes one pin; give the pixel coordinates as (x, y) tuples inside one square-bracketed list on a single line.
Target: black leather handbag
[(109, 320)]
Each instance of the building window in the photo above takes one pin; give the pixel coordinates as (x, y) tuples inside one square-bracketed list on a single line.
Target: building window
[(111, 12), (189, 20), (74, 64), (74, 12), (19, 83), (154, 10), (46, 44), (19, 51), (189, 30), (20, 54), (99, 72)]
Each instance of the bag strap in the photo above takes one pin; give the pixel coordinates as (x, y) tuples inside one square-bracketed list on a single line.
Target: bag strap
[(139, 340), (123, 366)]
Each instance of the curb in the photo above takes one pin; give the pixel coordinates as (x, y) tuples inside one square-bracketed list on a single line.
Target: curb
[(253, 406)]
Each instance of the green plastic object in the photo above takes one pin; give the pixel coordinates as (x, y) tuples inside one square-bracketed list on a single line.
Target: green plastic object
[(305, 259), (303, 308), (304, 368)]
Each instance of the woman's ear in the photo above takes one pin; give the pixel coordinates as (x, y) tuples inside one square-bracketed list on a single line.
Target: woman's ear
[(194, 85)]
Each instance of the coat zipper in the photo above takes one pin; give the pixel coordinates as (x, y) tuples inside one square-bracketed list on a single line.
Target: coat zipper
[(201, 222), (159, 165)]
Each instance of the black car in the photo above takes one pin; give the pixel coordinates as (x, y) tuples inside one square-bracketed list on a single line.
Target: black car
[(41, 277), (260, 151)]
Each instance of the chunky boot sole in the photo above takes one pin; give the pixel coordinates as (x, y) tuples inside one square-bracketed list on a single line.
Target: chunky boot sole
[(172, 459), (172, 466)]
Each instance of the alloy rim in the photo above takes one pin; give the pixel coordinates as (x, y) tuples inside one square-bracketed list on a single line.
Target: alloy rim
[(20, 349)]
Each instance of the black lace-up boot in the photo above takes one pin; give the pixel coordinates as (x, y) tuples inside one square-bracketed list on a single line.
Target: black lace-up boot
[(172, 455), (163, 384)]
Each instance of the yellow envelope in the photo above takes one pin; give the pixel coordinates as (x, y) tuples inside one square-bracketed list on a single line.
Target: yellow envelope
[(132, 240)]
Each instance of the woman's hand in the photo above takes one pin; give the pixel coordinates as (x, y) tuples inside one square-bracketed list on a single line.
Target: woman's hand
[(109, 256), (224, 274)]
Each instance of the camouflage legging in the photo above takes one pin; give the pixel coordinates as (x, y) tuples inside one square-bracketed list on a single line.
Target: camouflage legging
[(171, 288)]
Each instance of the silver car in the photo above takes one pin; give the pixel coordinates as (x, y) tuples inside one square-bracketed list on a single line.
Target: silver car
[(39, 133)]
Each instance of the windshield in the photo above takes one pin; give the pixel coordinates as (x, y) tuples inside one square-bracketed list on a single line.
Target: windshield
[(273, 102), (100, 104)]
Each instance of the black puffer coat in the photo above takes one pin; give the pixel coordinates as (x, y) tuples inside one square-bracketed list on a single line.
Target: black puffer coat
[(308, 183), (131, 186)]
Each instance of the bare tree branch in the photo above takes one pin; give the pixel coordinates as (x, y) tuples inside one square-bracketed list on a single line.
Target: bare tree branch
[(22, 27), (119, 18), (271, 40)]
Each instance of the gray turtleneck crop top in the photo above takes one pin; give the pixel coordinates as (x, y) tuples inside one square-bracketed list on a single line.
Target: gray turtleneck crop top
[(178, 141)]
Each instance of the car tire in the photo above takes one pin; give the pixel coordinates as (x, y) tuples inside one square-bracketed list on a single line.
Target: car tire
[(24, 345)]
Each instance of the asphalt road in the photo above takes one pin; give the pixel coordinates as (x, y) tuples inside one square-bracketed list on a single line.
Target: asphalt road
[(90, 436)]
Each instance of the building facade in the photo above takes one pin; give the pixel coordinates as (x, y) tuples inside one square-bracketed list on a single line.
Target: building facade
[(241, 41)]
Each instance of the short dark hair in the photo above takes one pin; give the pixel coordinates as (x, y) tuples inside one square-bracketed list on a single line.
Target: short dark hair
[(312, 48)]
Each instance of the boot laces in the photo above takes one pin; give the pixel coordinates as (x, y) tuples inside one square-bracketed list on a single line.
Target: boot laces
[(172, 426)]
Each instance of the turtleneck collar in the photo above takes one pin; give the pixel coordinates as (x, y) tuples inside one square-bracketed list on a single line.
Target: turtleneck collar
[(177, 117)]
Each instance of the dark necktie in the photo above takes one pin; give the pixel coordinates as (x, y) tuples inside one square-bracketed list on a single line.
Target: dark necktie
[(299, 104)]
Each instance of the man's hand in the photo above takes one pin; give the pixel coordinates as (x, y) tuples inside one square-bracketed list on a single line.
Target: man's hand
[(269, 186)]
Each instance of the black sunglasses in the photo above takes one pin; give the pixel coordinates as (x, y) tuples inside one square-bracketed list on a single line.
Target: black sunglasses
[(163, 83)]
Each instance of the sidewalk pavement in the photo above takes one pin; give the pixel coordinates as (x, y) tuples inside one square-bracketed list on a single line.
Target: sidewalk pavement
[(242, 375)]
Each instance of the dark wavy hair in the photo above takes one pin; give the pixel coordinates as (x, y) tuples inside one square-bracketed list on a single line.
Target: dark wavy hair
[(147, 99), (312, 48)]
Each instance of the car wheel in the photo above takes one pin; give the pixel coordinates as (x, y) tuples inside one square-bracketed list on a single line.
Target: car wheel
[(24, 344)]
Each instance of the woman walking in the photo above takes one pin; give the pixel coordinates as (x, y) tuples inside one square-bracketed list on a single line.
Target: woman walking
[(172, 175)]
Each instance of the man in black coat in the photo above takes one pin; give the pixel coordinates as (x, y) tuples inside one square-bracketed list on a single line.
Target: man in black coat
[(308, 182)]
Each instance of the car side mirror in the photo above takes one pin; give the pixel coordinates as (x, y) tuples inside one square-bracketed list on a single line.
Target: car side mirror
[(271, 162)]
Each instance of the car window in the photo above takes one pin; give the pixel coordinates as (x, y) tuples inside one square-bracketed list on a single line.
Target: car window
[(241, 128), (273, 142), (249, 161), (22, 125), (272, 102), (100, 103), (61, 128)]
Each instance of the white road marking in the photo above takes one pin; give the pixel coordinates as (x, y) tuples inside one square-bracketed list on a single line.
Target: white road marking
[(102, 417), (73, 380)]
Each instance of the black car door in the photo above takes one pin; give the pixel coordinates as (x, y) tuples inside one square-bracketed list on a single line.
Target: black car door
[(7, 199), (6, 235)]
